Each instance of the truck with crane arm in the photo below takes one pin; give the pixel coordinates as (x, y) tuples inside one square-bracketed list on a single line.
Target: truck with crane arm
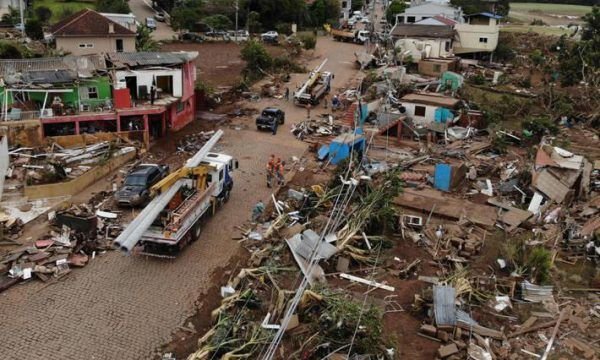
[(181, 202), (315, 87)]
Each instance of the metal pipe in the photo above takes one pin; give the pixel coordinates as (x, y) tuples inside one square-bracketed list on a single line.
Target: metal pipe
[(132, 234)]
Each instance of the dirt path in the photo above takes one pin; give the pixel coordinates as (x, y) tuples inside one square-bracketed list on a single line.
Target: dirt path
[(121, 307)]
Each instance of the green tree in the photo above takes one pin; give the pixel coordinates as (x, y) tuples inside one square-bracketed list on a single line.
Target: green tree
[(218, 22), (500, 7), (9, 51), (12, 17), (256, 57), (43, 13), (144, 41), (253, 23), (113, 6), (324, 11), (65, 13), (357, 4), (33, 29), (185, 17), (396, 7)]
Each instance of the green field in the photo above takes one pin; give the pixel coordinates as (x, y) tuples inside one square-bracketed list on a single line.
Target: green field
[(544, 30), (557, 9), (58, 7)]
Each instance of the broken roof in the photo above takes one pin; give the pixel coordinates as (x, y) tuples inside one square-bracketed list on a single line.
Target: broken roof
[(423, 31), (14, 70), (89, 23), (431, 99), (49, 77), (133, 59)]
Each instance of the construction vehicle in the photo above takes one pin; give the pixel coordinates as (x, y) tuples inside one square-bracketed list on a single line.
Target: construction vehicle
[(316, 86), (356, 36), (182, 202)]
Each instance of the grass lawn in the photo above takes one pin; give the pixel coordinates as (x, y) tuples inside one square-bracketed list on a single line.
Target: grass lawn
[(544, 30), (58, 7), (557, 9)]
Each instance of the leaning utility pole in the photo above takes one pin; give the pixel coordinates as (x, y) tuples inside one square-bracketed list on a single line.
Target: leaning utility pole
[(22, 20)]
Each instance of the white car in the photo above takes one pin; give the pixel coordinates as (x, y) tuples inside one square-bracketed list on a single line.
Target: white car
[(270, 36), (365, 21)]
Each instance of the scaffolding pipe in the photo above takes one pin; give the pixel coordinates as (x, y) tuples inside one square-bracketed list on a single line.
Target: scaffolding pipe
[(132, 234)]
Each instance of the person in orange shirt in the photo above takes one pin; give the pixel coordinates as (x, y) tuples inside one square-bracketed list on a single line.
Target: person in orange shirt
[(279, 171), (271, 166)]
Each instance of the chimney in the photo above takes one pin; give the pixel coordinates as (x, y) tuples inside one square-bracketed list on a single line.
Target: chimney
[(111, 28)]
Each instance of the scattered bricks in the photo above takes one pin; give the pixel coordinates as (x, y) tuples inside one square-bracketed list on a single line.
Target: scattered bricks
[(461, 344), (428, 330), (442, 335), (447, 350)]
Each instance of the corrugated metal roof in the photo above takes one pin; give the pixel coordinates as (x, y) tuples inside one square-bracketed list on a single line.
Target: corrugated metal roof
[(49, 76), (151, 58), (423, 31), (444, 307), (81, 64), (552, 187)]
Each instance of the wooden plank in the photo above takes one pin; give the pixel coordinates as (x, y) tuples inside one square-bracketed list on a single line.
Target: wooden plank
[(446, 206), (367, 282)]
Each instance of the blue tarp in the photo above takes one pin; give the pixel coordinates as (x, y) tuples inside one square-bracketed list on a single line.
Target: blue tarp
[(341, 146), (442, 177), (442, 115)]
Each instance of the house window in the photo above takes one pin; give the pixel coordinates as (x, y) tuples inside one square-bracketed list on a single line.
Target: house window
[(180, 106), (86, 46), (447, 46), (437, 68), (410, 19), (419, 110), (92, 92), (119, 45), (483, 40)]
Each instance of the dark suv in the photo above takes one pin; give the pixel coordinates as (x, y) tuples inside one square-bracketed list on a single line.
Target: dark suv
[(270, 118), (136, 187)]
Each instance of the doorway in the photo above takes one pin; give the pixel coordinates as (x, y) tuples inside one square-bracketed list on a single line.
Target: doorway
[(131, 83)]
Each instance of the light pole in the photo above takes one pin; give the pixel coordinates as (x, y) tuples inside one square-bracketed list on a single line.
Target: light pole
[(237, 8)]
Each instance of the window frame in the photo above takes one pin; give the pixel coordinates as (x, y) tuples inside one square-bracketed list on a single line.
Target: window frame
[(418, 110)]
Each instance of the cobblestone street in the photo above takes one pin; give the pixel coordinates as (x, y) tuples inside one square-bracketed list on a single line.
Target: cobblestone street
[(121, 307)]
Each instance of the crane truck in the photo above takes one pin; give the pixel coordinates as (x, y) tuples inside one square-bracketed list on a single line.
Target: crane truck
[(316, 86), (181, 202)]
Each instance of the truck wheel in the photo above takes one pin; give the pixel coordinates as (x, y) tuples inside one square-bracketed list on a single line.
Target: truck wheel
[(226, 196), (196, 230)]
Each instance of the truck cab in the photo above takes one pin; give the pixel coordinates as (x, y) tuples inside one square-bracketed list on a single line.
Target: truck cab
[(223, 166)]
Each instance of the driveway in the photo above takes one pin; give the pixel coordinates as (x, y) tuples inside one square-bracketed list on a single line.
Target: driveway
[(142, 10)]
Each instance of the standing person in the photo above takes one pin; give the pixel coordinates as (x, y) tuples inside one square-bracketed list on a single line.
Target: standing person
[(325, 101), (308, 106), (274, 126), (287, 94), (279, 173), (270, 170), (258, 210)]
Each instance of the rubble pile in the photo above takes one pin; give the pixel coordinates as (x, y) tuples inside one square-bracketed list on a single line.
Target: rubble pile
[(191, 143), (79, 233), (55, 164)]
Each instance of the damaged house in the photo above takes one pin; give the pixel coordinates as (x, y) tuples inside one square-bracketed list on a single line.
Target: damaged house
[(144, 92)]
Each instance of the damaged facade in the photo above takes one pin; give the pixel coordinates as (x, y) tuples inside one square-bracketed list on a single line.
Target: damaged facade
[(146, 92)]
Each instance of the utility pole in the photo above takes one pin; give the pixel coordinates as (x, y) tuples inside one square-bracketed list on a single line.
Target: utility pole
[(22, 20), (237, 8)]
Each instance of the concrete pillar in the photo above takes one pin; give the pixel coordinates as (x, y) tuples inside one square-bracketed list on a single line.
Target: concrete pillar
[(118, 123), (76, 127), (146, 132)]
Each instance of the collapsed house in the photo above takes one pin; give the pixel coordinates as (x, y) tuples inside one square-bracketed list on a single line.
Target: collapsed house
[(147, 92)]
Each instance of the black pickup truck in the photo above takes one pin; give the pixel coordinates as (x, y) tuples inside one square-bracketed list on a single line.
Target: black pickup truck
[(270, 118), (136, 187)]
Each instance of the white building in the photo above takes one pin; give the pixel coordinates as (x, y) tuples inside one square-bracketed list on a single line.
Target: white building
[(169, 81), (345, 9), (429, 10), (421, 108), (423, 41), (128, 21), (479, 34)]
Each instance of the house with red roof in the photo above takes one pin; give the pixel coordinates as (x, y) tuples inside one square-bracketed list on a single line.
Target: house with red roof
[(89, 32)]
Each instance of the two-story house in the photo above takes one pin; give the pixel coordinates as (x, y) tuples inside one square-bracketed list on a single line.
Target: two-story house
[(423, 41), (479, 34), (88, 32)]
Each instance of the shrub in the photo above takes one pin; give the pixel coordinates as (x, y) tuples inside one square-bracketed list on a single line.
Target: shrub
[(43, 14), (309, 41), (34, 30), (10, 51), (540, 125)]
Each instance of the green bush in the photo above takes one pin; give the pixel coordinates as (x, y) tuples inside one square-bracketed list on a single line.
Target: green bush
[(10, 51), (309, 41), (257, 59), (43, 14), (540, 125), (478, 79), (34, 30)]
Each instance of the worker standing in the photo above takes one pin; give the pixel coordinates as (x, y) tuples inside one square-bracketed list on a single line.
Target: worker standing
[(279, 172), (258, 210), (325, 101), (287, 94), (270, 171), (308, 106)]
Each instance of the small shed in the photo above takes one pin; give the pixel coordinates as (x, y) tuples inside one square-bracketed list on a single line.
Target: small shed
[(341, 147)]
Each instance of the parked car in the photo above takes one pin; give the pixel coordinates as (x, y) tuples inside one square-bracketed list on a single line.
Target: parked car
[(270, 117), (217, 35), (20, 26), (193, 37), (151, 23), (240, 35), (160, 16), (365, 20), (270, 36), (135, 190)]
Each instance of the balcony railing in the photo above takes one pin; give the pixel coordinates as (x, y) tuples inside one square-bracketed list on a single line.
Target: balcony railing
[(85, 106)]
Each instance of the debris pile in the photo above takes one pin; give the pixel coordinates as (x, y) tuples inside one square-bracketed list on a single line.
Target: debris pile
[(79, 233), (191, 143)]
